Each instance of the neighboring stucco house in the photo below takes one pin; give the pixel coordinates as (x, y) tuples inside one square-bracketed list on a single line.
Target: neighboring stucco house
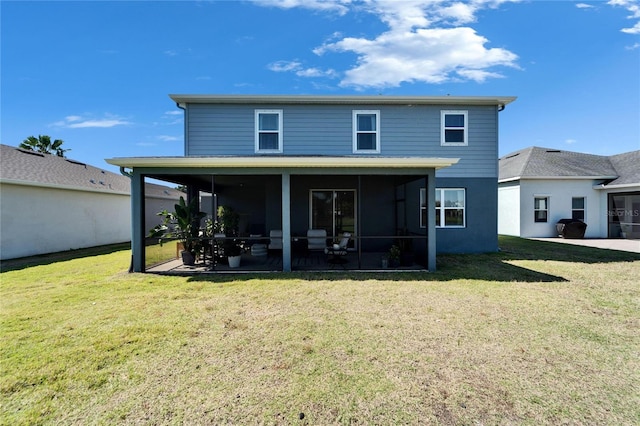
[(375, 166), (51, 204), (539, 186)]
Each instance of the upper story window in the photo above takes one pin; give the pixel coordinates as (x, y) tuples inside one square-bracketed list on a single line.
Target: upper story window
[(268, 130), (454, 128), (366, 132)]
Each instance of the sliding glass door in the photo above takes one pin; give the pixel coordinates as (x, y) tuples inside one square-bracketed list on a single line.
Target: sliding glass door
[(334, 211)]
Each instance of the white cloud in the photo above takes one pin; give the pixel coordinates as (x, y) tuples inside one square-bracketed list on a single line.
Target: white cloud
[(427, 41), (80, 122), (284, 66), (632, 6), (570, 141), (429, 55), (339, 6), (297, 68), (167, 138), (584, 6), (633, 46)]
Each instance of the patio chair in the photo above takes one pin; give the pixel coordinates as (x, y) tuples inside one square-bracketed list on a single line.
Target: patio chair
[(275, 239), (337, 252), (316, 239)]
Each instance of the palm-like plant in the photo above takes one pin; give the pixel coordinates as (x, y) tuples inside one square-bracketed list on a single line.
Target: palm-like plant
[(44, 145), (183, 224)]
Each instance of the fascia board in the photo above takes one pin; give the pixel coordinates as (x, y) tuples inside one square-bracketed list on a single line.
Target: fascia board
[(285, 162), (183, 99)]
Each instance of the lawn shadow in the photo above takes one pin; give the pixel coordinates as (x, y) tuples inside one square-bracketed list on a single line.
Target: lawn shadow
[(494, 267), (47, 259)]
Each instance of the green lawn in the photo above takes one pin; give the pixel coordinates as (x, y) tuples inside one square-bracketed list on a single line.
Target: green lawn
[(540, 333)]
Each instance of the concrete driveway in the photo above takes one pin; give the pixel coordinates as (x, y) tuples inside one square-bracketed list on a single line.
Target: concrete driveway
[(603, 243)]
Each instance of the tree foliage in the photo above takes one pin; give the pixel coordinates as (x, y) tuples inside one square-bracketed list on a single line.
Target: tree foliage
[(44, 145)]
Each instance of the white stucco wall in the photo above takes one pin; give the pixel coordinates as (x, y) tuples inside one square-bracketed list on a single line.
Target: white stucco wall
[(560, 193), (509, 209), (36, 220)]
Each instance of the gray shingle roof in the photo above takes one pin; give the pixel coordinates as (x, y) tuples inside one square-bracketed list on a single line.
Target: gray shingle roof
[(535, 162), (628, 167), (33, 167), (22, 166)]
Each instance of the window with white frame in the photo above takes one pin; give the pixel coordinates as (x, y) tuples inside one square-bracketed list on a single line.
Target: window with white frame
[(268, 130), (540, 209), (450, 207), (366, 132), (454, 130), (577, 208)]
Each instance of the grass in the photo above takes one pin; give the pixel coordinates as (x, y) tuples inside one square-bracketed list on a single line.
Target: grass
[(540, 333)]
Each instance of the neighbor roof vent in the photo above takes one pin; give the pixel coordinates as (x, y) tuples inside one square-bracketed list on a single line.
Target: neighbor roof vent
[(553, 150)]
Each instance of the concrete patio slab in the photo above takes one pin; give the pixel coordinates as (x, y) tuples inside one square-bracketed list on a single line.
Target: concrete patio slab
[(603, 243)]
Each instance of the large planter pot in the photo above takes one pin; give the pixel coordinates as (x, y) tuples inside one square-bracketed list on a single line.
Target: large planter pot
[(188, 258), (234, 261)]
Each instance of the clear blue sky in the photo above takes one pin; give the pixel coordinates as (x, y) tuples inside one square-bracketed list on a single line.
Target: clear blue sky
[(98, 74)]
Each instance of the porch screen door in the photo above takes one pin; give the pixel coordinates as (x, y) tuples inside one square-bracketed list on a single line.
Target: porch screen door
[(335, 211)]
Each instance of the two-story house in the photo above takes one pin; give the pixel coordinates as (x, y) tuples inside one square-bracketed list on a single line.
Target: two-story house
[(378, 167)]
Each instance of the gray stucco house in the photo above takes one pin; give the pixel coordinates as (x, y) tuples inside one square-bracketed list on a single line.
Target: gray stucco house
[(539, 186), (378, 167)]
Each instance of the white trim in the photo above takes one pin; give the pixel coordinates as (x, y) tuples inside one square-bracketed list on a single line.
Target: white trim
[(562, 178), (355, 210), (279, 162), (443, 128), (442, 216), (185, 99), (547, 208), (583, 209), (257, 131), (354, 119)]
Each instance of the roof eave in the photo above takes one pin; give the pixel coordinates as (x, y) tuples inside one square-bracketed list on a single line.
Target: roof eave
[(281, 162), (328, 99)]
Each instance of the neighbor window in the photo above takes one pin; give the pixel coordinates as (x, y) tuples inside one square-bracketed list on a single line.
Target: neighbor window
[(366, 131), (577, 208), (540, 209), (454, 128), (268, 130), (450, 207)]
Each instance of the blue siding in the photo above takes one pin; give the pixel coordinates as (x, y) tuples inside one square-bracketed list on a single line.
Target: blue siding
[(327, 130), (481, 232)]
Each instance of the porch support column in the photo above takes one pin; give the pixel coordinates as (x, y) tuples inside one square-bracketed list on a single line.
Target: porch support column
[(137, 222), (430, 186), (286, 221)]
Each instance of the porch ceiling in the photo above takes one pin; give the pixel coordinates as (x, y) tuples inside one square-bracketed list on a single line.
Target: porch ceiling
[(284, 162)]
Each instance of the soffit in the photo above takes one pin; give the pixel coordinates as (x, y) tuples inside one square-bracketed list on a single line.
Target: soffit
[(284, 162)]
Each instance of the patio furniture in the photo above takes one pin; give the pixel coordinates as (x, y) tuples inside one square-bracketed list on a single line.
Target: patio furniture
[(259, 249), (337, 252), (275, 239), (316, 239)]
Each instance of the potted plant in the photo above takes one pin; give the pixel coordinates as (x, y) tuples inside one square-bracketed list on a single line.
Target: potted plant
[(184, 225), (229, 221), (394, 256)]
